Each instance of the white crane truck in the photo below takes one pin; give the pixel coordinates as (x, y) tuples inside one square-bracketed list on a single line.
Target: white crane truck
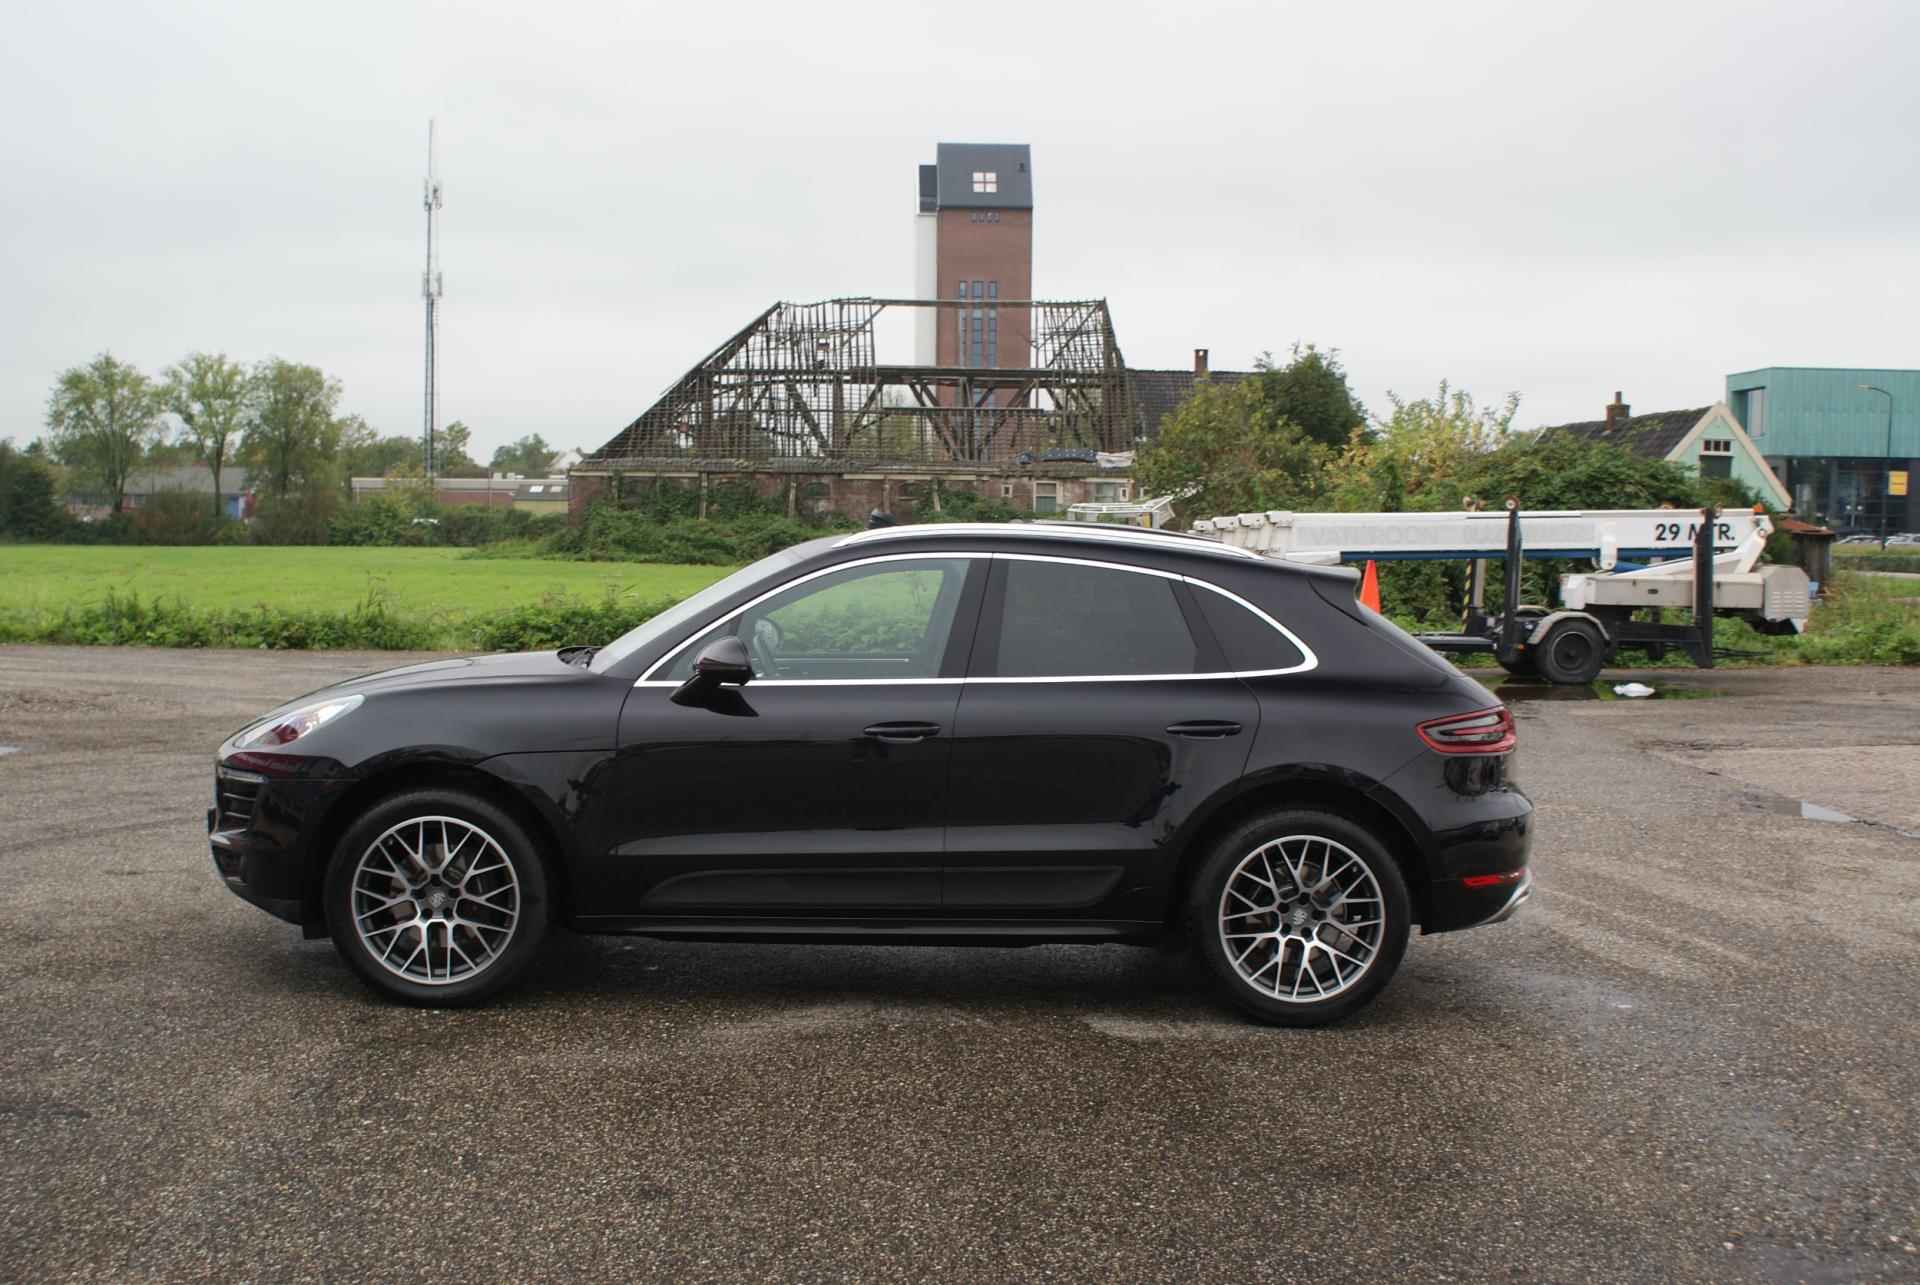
[(1706, 561)]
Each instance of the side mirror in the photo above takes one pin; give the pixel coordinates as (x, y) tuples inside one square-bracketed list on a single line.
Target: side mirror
[(724, 661)]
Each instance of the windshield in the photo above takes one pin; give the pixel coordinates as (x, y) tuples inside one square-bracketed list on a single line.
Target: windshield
[(691, 608)]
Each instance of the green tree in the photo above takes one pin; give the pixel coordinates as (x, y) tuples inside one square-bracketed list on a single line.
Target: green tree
[(210, 396), (529, 457), (450, 458), (103, 417), (1227, 449), (291, 435), (365, 453), (1561, 471), (1311, 392), (28, 510), (1423, 455)]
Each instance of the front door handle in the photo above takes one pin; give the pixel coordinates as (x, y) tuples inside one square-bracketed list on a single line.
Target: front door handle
[(1204, 729), (902, 733)]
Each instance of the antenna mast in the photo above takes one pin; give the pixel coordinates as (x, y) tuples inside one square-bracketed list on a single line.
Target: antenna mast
[(430, 286)]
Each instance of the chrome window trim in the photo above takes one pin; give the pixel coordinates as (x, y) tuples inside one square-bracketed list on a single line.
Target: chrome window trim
[(646, 679), (1309, 661)]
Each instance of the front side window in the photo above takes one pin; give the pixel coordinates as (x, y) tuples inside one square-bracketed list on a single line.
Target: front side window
[(883, 620), (1069, 619)]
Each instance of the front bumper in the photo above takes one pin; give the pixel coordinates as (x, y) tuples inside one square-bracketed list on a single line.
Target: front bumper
[(254, 876), (258, 833)]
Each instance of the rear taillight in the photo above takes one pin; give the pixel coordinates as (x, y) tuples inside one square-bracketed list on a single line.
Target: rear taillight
[(1484, 731)]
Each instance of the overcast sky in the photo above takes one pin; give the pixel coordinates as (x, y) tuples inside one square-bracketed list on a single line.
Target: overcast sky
[(1554, 199)]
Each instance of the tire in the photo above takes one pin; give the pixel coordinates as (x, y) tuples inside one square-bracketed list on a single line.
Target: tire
[(461, 933), (1249, 888), (1571, 654)]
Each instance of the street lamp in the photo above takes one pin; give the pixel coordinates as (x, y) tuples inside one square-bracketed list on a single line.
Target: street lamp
[(1886, 499)]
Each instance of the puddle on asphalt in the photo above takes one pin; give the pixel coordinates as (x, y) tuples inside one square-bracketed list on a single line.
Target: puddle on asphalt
[(9, 749), (1819, 812), (1601, 689)]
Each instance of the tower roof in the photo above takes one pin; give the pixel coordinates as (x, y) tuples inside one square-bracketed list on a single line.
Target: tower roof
[(1010, 166)]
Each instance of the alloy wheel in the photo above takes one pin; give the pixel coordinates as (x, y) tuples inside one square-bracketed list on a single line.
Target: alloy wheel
[(435, 900), (1302, 919)]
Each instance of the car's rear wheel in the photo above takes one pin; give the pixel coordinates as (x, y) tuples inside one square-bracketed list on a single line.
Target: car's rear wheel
[(1302, 917), (436, 897)]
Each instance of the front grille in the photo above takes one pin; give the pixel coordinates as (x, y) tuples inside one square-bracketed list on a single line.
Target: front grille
[(234, 795)]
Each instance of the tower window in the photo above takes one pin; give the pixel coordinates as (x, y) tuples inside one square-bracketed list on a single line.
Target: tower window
[(986, 181)]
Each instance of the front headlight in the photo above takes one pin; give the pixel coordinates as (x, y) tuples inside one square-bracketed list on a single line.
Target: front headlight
[(284, 729)]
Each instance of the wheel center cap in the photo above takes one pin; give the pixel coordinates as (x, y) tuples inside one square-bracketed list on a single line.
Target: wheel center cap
[(1297, 916), (438, 899)]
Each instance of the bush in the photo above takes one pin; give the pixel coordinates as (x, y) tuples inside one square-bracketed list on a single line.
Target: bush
[(965, 506), (561, 622), (127, 619), (299, 517), (1871, 558), (627, 534), (379, 520), (183, 517), (130, 620)]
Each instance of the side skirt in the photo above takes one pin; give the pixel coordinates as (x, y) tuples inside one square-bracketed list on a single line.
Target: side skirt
[(874, 932)]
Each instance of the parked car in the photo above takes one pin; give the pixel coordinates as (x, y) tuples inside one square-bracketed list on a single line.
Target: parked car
[(1858, 538), (998, 734), (1906, 539)]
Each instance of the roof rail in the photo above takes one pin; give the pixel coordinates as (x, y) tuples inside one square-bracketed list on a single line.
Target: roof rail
[(1098, 532)]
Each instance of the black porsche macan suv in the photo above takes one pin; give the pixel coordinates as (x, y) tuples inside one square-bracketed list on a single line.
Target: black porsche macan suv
[(994, 734)]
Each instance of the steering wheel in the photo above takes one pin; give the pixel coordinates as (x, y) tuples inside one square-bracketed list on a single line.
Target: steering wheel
[(764, 643)]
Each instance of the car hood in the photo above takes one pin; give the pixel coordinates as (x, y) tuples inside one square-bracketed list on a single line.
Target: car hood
[(516, 666), (461, 671)]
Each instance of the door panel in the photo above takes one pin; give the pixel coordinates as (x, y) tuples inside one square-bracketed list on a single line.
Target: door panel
[(775, 798), (820, 787), (1095, 720), (1065, 794)]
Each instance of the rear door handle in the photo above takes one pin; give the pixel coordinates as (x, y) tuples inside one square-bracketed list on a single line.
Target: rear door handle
[(902, 733), (1204, 729)]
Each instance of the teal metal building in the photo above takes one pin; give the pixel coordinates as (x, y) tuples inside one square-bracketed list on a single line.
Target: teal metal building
[(1827, 439)]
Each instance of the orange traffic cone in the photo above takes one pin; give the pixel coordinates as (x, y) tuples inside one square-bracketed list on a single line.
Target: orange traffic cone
[(1370, 587)]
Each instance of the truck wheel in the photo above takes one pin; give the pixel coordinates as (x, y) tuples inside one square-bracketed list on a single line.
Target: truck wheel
[(1571, 654)]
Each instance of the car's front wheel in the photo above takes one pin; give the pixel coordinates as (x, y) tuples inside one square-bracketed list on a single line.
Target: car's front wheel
[(436, 897), (1302, 916)]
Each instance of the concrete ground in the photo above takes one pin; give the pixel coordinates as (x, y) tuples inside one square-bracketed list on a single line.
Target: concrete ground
[(1693, 1058)]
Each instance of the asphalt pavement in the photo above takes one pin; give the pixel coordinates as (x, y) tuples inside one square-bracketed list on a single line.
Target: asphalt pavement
[(1694, 1057)]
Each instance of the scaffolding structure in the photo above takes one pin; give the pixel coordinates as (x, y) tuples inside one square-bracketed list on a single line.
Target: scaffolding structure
[(801, 388)]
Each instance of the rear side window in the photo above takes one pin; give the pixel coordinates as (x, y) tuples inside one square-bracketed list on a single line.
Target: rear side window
[(1067, 619), (1249, 642)]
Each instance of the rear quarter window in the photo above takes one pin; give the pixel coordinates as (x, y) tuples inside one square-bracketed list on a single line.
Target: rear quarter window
[(1248, 642)]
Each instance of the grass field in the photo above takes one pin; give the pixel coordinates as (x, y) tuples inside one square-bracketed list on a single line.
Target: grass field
[(36, 579)]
